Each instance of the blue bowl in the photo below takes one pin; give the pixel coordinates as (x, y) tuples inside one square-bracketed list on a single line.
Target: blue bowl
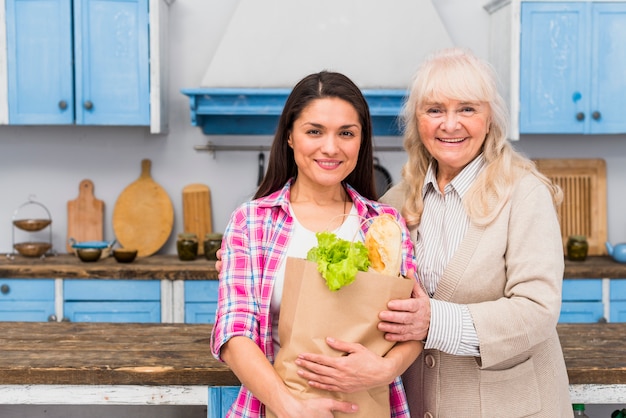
[(92, 244)]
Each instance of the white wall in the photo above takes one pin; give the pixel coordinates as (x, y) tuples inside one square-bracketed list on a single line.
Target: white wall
[(49, 162)]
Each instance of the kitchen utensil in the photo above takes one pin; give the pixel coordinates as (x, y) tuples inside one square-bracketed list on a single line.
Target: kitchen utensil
[(104, 246), (143, 216), (382, 178), (583, 211), (197, 210), (32, 249), (32, 225), (261, 168), (89, 254), (85, 215), (124, 255), (618, 252)]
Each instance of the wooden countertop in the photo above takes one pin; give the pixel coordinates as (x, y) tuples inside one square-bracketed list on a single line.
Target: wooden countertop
[(179, 354), (595, 267), (171, 268), (68, 266)]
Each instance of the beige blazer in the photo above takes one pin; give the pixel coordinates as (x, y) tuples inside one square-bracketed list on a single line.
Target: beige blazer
[(510, 275)]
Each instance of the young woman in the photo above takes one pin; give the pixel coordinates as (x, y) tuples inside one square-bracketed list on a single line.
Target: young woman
[(320, 169)]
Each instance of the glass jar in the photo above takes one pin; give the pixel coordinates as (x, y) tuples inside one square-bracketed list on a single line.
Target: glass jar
[(187, 246), (579, 410), (577, 247), (212, 243)]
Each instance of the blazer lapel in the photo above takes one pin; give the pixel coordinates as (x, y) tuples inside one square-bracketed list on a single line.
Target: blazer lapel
[(458, 264)]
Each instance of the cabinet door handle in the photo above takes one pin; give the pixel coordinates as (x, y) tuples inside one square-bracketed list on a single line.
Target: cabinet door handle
[(5, 289), (88, 105), (580, 116), (596, 115), (62, 105)]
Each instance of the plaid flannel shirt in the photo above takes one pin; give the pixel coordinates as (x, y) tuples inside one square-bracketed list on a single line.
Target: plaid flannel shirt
[(255, 241)]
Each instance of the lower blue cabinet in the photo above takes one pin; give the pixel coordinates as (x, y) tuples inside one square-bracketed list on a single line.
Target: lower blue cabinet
[(112, 300), (30, 300), (220, 400), (200, 301), (582, 301), (617, 294)]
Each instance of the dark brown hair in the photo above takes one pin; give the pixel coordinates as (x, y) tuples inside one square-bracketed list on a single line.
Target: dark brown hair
[(282, 165)]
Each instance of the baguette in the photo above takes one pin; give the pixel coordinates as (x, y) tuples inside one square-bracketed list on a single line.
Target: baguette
[(383, 241)]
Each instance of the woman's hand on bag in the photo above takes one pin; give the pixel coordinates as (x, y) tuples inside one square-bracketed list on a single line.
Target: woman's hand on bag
[(360, 369), (407, 319)]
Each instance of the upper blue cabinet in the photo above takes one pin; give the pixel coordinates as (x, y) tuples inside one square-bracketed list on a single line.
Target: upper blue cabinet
[(84, 62), (562, 65)]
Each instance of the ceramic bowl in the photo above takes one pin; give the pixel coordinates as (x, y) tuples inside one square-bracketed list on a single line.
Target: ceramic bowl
[(89, 254), (32, 224), (105, 246), (124, 255), (32, 249)]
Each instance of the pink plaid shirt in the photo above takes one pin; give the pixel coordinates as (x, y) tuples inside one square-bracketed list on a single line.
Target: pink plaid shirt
[(255, 241)]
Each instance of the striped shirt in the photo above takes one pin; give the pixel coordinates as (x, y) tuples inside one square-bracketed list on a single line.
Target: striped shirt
[(255, 242), (442, 228)]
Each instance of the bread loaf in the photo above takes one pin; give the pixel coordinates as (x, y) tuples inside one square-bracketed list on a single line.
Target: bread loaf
[(384, 245)]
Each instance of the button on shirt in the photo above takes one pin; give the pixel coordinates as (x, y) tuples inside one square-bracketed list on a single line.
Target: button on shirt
[(441, 231)]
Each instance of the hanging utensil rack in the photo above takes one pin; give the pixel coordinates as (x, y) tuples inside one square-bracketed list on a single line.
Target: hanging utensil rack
[(31, 202), (212, 148)]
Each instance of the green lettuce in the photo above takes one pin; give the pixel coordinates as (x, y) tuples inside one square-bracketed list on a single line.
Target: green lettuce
[(338, 260)]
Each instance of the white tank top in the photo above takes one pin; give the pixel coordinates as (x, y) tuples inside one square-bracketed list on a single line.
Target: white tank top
[(302, 240)]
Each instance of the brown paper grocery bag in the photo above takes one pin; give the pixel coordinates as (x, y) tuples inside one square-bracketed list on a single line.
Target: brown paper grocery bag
[(310, 312)]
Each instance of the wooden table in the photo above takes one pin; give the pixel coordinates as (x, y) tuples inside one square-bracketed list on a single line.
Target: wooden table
[(109, 364), (595, 356)]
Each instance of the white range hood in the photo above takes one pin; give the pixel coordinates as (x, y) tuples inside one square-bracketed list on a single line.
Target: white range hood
[(271, 44)]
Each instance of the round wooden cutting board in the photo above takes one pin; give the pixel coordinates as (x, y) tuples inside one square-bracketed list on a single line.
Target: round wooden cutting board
[(143, 216)]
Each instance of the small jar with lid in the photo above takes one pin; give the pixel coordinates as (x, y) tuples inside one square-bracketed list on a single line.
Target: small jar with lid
[(577, 247), (187, 246), (212, 243)]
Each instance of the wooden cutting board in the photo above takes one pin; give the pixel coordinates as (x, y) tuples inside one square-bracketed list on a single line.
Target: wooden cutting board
[(84, 216), (583, 211), (143, 216), (197, 211)]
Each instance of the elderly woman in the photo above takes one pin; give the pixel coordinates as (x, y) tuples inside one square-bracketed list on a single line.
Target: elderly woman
[(489, 254)]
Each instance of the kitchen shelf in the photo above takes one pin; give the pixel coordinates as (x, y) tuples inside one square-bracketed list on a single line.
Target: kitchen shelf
[(212, 148), (255, 111)]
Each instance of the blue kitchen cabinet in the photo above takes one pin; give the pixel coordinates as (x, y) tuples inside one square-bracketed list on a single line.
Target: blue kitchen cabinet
[(84, 62), (582, 301), (200, 301), (572, 56), (86, 300), (220, 400), (617, 294), (29, 300)]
